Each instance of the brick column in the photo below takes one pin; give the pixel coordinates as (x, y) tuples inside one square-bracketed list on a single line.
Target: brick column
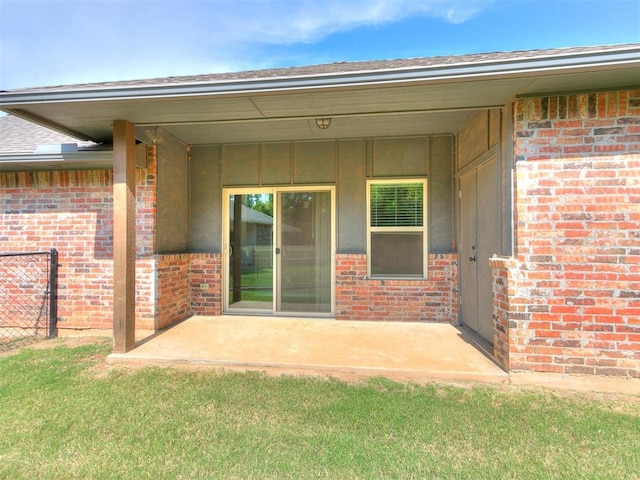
[(578, 232)]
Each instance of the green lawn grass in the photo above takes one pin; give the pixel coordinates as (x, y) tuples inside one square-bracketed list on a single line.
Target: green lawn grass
[(64, 415)]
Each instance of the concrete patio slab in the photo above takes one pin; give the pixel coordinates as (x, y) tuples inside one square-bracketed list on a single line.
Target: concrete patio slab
[(401, 351)]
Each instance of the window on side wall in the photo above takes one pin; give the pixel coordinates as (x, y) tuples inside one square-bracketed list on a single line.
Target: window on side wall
[(397, 233)]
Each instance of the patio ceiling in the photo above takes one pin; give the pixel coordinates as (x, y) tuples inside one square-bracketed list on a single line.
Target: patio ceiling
[(427, 99)]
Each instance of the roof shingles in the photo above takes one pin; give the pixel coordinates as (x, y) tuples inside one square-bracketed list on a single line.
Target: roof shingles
[(332, 68), (21, 136)]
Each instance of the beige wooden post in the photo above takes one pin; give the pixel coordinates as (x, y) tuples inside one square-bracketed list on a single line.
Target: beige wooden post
[(124, 236)]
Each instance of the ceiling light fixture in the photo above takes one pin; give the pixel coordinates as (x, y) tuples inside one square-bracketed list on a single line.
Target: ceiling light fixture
[(323, 123)]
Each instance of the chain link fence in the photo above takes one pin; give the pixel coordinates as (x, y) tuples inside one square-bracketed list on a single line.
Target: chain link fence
[(28, 297)]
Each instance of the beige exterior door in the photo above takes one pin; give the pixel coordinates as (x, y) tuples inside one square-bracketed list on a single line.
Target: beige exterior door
[(479, 240)]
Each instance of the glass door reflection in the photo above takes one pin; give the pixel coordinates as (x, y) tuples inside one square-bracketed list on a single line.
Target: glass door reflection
[(250, 264), (304, 251)]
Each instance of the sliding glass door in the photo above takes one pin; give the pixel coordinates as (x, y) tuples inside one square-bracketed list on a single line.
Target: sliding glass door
[(279, 246), (250, 251), (304, 252)]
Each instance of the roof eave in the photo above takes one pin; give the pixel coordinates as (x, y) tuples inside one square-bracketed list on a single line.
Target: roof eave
[(56, 161), (576, 62)]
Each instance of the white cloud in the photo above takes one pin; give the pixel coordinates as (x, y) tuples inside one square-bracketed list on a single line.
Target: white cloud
[(290, 21), (46, 42)]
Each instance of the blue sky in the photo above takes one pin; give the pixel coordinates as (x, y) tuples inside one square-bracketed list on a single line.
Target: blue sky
[(52, 42)]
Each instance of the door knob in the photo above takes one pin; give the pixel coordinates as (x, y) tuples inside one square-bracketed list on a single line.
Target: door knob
[(472, 259)]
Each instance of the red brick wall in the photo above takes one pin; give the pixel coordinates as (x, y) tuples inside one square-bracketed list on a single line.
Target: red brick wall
[(507, 308), (359, 298), (577, 230), (72, 211), (145, 295), (206, 283), (173, 286), (187, 284)]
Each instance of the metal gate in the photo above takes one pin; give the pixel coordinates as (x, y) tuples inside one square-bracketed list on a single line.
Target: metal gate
[(28, 297)]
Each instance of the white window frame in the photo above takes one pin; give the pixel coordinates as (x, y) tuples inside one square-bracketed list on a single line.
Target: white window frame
[(422, 229)]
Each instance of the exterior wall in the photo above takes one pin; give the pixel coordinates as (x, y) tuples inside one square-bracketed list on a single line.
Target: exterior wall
[(360, 298), (173, 289), (506, 311), (206, 283), (145, 297), (483, 133), (188, 284), (172, 216), (347, 164), (574, 289), (479, 134), (205, 200), (72, 211)]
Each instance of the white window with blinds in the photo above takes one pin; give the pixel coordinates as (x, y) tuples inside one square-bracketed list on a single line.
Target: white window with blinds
[(397, 228)]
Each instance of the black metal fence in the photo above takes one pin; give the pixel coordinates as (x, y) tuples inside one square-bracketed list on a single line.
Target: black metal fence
[(28, 297)]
